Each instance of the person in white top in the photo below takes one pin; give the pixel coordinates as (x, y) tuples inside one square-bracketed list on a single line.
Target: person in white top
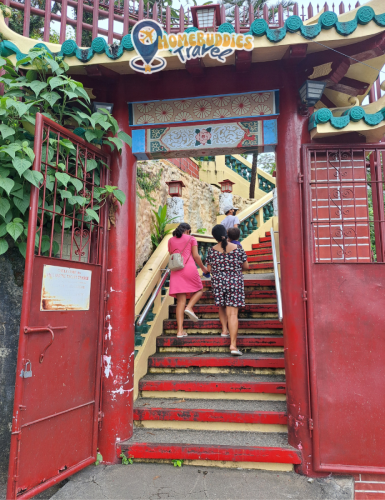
[(231, 220)]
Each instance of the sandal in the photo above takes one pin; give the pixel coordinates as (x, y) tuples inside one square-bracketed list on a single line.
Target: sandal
[(236, 352), (225, 334), (181, 336), (191, 315)]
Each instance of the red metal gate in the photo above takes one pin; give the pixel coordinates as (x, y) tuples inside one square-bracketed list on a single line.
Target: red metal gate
[(343, 222), (57, 393)]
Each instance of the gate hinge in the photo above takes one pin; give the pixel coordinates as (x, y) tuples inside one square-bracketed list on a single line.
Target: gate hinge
[(304, 295), (311, 424), (300, 178), (106, 296)]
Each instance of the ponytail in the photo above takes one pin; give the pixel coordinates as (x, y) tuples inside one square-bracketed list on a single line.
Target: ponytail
[(220, 234), (224, 243), (181, 229)]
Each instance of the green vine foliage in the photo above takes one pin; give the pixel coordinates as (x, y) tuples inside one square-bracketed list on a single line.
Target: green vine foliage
[(147, 183), (46, 89)]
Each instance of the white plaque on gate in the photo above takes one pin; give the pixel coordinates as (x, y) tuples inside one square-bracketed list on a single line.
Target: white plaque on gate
[(65, 289)]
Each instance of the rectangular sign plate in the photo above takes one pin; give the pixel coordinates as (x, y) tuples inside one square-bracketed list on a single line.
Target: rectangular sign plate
[(65, 289)]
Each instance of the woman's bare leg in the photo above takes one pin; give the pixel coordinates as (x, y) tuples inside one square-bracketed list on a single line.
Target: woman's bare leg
[(180, 306), (194, 299), (232, 318), (223, 318)]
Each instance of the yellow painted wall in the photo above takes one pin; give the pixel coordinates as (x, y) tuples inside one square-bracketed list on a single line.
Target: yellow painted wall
[(215, 172)]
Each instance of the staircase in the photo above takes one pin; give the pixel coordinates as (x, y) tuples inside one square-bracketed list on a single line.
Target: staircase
[(201, 405)]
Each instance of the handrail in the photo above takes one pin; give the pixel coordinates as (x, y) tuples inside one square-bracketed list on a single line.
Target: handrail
[(149, 304), (276, 276), (257, 209)]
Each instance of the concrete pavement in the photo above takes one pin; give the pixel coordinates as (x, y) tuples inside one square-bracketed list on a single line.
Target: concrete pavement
[(146, 481)]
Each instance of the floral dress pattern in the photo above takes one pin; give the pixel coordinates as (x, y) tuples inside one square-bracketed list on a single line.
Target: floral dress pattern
[(226, 276)]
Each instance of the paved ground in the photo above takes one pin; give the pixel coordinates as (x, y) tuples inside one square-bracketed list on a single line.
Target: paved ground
[(163, 481)]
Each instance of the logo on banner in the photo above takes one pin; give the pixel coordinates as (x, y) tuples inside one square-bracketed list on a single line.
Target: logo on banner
[(145, 36), (148, 38)]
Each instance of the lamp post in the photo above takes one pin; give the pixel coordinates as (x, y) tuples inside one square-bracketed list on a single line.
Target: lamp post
[(311, 92), (206, 17), (226, 196), (175, 202), (226, 186), (96, 106)]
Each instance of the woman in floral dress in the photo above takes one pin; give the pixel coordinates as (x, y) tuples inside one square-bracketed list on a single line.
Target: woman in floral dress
[(226, 262)]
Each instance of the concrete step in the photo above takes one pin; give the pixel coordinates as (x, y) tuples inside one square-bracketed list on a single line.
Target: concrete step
[(215, 362), (219, 386), (261, 266), (240, 447), (256, 246), (205, 414), (211, 341), (261, 251), (251, 283), (260, 258), (211, 325), (211, 311), (252, 296)]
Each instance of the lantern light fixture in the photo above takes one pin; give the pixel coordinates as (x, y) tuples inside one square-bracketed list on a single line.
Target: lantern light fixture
[(175, 188), (226, 186), (96, 106), (206, 17), (311, 92)]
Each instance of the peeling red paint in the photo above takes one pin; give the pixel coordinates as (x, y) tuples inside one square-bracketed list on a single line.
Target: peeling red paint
[(241, 417), (199, 386), (230, 361)]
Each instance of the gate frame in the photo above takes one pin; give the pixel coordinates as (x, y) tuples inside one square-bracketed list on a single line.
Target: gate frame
[(25, 313), (307, 243)]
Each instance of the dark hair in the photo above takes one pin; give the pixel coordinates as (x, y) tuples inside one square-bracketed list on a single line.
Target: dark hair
[(181, 229), (234, 233), (220, 234)]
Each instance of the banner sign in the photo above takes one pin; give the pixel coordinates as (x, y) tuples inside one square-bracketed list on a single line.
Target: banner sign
[(148, 38), (204, 108), (209, 139)]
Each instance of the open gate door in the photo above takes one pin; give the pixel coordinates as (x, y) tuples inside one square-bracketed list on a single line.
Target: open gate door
[(57, 393), (344, 245)]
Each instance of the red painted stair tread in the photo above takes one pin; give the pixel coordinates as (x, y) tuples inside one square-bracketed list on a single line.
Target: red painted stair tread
[(182, 360), (268, 265), (199, 385), (204, 415), (255, 246), (260, 258), (252, 308), (264, 239), (201, 341), (246, 324), (254, 281), (261, 251), (210, 445)]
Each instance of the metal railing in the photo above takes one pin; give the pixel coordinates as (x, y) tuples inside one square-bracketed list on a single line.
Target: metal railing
[(276, 276), (151, 301), (121, 15), (256, 210)]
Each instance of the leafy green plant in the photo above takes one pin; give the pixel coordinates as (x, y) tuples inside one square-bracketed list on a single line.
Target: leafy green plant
[(202, 230), (126, 460), (161, 222), (99, 457), (147, 183), (46, 88), (177, 463)]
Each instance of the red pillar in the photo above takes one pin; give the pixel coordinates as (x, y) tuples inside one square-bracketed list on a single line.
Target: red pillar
[(292, 133), (119, 343)]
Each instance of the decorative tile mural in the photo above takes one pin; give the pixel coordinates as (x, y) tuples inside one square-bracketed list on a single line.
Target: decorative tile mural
[(220, 107), (202, 140)]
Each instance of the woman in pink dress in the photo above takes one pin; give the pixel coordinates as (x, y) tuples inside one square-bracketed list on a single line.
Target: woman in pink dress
[(186, 280)]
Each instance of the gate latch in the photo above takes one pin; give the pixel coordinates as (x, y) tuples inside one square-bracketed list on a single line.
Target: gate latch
[(27, 372)]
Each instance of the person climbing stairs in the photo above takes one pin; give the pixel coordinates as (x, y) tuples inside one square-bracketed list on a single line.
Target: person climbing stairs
[(203, 406)]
